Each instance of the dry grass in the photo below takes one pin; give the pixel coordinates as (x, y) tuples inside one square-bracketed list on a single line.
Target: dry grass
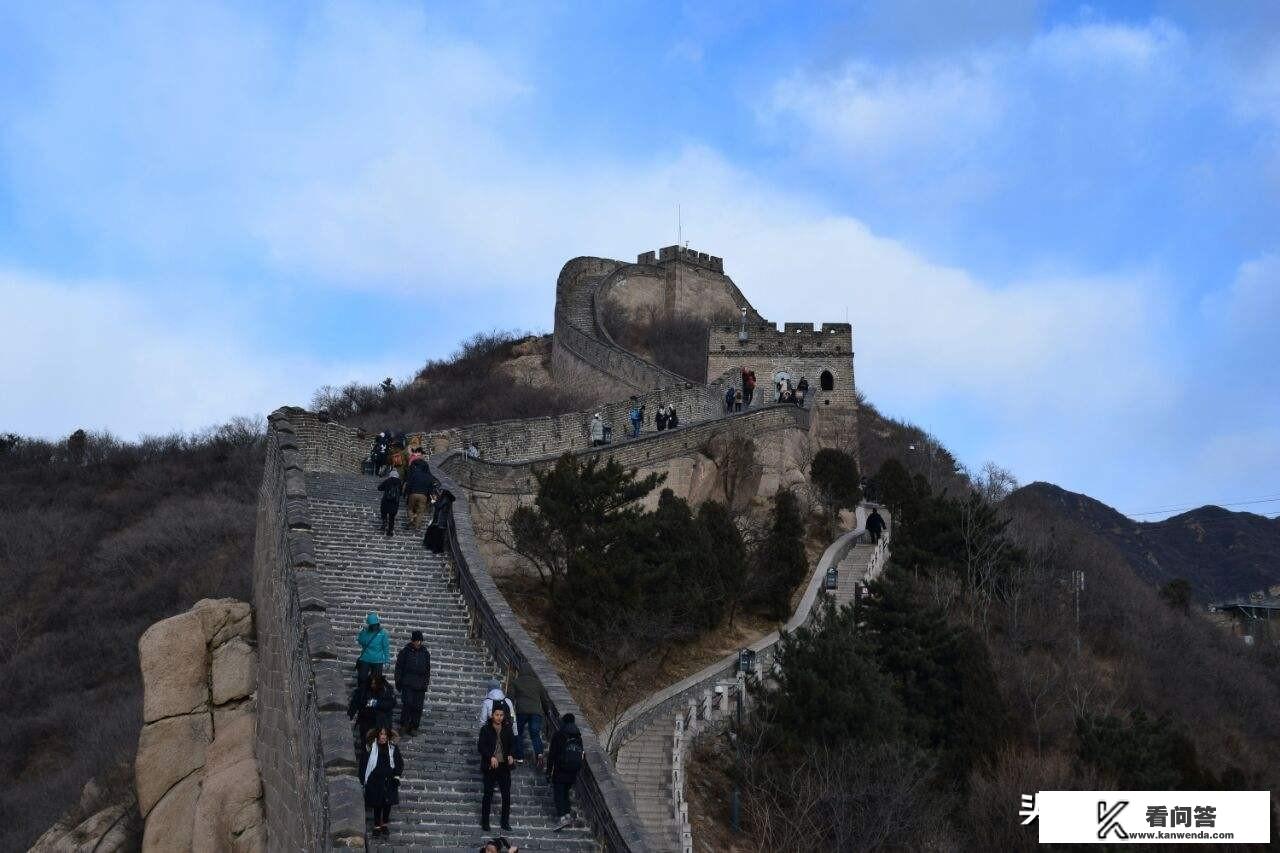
[(531, 606)]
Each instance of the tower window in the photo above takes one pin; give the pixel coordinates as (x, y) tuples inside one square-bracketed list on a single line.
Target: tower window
[(827, 381)]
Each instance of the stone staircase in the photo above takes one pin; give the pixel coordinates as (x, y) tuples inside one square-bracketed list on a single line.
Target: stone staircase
[(644, 765), (853, 568), (645, 761), (408, 587)]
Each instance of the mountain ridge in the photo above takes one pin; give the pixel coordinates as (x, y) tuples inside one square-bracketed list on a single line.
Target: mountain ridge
[(1222, 553)]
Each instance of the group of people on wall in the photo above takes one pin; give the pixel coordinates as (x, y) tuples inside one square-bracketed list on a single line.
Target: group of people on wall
[(407, 479), (503, 720)]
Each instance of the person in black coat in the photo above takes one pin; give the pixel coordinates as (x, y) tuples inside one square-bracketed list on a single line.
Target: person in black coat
[(381, 774), (419, 483), (497, 755), (372, 705), (413, 675), (563, 763), (875, 525), (391, 489)]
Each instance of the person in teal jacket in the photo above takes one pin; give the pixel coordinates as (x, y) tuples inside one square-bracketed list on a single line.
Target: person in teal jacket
[(375, 649)]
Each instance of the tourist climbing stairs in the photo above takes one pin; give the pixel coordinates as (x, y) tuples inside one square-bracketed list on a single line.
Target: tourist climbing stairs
[(852, 572), (362, 571)]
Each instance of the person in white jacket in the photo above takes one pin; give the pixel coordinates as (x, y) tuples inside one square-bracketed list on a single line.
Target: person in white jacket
[(496, 695)]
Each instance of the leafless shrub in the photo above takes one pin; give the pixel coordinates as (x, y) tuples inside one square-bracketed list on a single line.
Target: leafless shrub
[(856, 796), (678, 343)]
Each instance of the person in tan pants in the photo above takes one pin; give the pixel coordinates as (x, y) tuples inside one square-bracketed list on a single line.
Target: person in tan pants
[(418, 485)]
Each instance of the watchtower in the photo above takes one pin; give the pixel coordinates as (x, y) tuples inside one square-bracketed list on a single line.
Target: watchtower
[(823, 356)]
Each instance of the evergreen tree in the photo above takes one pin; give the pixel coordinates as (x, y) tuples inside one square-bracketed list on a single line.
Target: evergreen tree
[(781, 561), (1143, 753), (727, 570), (573, 511), (834, 474), (828, 690), (942, 674)]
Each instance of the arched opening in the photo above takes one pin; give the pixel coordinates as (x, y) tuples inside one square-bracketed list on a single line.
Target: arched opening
[(826, 381)]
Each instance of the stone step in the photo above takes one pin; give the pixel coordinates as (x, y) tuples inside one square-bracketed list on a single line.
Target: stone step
[(362, 570)]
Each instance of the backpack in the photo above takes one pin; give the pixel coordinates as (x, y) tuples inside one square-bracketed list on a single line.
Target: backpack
[(570, 759)]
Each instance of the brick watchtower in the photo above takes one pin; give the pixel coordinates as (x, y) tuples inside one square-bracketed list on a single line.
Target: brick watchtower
[(822, 356)]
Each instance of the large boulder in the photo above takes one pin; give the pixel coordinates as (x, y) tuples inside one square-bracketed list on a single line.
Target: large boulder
[(228, 815), (109, 830), (224, 618), (168, 750), (170, 823), (235, 671), (197, 779), (174, 670)]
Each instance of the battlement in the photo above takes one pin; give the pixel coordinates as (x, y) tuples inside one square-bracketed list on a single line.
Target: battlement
[(692, 257), (766, 332)]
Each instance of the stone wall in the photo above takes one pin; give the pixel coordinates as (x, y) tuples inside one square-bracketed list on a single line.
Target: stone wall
[(651, 449), (674, 289), (198, 786), (681, 253), (798, 348), (329, 446), (311, 797), (599, 793), (780, 433)]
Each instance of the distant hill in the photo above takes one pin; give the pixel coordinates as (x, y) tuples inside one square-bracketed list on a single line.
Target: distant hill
[(1222, 554)]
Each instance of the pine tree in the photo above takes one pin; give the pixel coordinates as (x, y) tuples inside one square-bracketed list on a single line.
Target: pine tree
[(781, 561), (834, 474)]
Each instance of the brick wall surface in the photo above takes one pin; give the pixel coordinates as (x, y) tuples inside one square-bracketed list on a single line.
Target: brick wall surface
[(598, 791), (311, 798), (648, 451), (798, 348)]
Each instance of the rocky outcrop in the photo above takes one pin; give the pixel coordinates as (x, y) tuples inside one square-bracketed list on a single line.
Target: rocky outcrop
[(195, 773), (109, 829)]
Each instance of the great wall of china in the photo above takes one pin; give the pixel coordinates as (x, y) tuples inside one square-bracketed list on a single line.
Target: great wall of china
[(318, 563)]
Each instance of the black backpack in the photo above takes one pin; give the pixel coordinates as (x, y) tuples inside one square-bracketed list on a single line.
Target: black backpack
[(570, 759)]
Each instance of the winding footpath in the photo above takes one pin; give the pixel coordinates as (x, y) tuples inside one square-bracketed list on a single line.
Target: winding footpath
[(650, 758)]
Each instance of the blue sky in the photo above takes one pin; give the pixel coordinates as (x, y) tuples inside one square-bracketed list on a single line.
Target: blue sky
[(1052, 225)]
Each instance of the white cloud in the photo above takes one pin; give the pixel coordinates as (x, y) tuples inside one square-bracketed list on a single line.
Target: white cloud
[(1249, 309), (91, 354), (950, 126), (873, 112), (1071, 48)]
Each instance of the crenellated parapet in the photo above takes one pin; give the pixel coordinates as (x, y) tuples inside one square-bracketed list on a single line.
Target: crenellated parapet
[(670, 254)]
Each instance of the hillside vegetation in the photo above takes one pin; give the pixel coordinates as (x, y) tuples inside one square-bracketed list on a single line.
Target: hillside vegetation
[(492, 376), (918, 719), (99, 539), (1221, 554)]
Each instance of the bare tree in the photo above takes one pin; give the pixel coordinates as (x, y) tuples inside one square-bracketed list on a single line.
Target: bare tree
[(737, 469), (995, 483)]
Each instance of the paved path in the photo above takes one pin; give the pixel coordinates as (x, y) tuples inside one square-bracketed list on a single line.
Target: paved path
[(644, 762), (363, 570)]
